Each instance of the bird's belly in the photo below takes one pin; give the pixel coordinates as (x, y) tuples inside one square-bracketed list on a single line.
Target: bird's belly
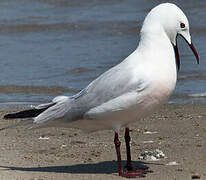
[(147, 102), (115, 120), (118, 119)]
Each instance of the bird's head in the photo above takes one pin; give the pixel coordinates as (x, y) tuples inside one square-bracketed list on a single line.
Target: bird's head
[(174, 22)]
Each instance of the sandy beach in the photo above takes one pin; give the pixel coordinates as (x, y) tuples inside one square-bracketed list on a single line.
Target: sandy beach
[(72, 154)]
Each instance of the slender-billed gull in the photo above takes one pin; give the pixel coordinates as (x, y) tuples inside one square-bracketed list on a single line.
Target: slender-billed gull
[(127, 92)]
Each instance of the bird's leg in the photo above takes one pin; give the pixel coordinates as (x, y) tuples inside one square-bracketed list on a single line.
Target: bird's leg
[(120, 170), (129, 164), (127, 141), (117, 147)]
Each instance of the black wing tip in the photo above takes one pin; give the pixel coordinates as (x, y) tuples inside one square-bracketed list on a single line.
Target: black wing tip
[(23, 114), (8, 116), (30, 113), (11, 116)]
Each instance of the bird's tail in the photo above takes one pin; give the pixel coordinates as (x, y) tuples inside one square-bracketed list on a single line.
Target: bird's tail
[(28, 116), (30, 113)]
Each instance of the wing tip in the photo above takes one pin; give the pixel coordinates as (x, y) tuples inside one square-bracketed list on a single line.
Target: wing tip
[(9, 116)]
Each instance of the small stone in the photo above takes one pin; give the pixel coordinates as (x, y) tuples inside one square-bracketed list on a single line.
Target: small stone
[(147, 142), (196, 176), (63, 145), (43, 138), (173, 163), (149, 132), (179, 169)]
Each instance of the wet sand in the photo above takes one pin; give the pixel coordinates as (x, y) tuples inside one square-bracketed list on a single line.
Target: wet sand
[(73, 154)]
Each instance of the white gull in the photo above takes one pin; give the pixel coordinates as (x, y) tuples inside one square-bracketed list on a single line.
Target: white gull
[(127, 92)]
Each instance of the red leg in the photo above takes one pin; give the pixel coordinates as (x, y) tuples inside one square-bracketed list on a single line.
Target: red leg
[(120, 170), (127, 141), (129, 164), (117, 146)]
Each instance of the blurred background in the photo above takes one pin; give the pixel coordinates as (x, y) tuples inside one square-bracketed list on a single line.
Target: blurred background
[(57, 47)]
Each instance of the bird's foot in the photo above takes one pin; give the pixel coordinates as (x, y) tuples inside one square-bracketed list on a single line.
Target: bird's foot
[(127, 174), (142, 171)]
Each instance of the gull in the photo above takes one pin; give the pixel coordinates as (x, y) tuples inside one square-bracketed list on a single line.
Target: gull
[(127, 92)]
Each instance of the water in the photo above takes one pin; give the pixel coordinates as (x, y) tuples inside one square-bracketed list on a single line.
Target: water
[(52, 47)]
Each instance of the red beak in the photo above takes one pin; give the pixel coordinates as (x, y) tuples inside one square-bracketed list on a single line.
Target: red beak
[(177, 53)]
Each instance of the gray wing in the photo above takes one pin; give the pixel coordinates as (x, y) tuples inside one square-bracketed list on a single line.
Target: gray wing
[(117, 104), (110, 85)]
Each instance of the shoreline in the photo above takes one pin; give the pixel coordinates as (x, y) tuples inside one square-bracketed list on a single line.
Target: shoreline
[(72, 154)]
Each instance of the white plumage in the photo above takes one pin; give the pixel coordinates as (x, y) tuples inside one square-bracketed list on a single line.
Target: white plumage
[(133, 88), (127, 92)]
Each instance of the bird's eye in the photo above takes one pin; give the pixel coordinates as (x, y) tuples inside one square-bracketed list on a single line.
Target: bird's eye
[(182, 25)]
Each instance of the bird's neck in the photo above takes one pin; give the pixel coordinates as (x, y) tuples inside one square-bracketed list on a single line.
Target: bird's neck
[(154, 41), (157, 49), (154, 35)]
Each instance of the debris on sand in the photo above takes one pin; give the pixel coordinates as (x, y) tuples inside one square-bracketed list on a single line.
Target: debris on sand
[(43, 138), (150, 132), (173, 163), (147, 142), (152, 155), (196, 176)]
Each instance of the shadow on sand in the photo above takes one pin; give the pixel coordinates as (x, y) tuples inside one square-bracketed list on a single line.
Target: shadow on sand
[(106, 167)]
